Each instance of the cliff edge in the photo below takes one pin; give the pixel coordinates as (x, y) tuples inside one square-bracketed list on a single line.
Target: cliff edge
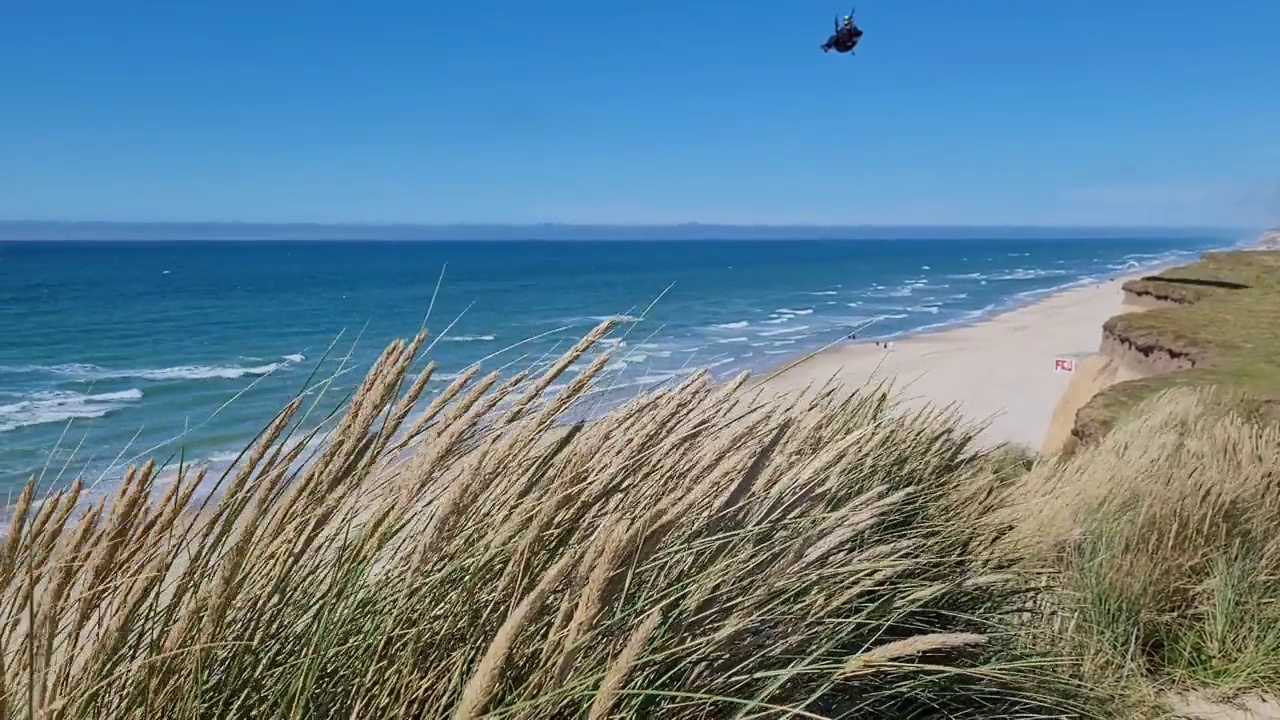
[(1212, 322)]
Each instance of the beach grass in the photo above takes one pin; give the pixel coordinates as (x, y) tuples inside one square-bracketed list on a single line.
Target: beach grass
[(704, 551), (1219, 315), (700, 552), (1163, 547)]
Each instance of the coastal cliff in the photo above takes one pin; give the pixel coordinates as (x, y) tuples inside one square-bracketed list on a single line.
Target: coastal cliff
[(1212, 322)]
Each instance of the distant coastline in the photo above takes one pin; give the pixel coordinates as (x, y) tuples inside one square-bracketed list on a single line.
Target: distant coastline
[(39, 230)]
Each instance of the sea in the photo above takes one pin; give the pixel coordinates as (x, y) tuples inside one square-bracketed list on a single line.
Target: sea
[(115, 352)]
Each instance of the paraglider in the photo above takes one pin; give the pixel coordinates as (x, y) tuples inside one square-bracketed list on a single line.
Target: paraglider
[(846, 36)]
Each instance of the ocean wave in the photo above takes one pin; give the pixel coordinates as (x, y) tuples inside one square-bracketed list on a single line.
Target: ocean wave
[(59, 406), (1029, 274), (87, 372), (771, 333), (199, 372), (654, 350), (825, 292), (615, 318), (790, 311), (469, 338), (733, 340), (734, 325), (647, 379)]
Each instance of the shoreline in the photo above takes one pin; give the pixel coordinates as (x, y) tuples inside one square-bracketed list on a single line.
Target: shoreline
[(1001, 370), (218, 461)]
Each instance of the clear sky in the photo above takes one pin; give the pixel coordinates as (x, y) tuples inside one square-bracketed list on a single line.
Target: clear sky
[(953, 111)]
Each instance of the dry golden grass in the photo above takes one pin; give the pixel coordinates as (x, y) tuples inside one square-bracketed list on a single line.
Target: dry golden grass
[(1165, 542), (701, 552)]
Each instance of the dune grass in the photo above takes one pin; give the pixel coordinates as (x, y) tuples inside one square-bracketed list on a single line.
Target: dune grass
[(704, 551), (1163, 543)]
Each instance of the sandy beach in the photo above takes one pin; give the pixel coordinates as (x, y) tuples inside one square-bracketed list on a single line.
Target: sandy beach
[(1004, 370)]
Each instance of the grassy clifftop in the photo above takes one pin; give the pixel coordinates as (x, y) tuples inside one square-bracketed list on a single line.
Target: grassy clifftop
[(1216, 323)]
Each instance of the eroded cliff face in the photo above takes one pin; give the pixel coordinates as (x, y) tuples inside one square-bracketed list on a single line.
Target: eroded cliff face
[(1145, 299), (1146, 358), (1119, 360)]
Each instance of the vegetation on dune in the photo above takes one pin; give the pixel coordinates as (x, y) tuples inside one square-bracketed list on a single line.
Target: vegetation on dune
[(704, 551), (1223, 319), (1163, 543), (697, 553)]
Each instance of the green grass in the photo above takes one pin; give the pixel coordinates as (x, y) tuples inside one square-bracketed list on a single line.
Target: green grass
[(1227, 322)]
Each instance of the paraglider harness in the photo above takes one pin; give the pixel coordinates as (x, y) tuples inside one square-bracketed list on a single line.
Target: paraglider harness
[(845, 38)]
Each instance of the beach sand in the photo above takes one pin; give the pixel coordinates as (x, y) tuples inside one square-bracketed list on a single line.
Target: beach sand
[(1001, 371)]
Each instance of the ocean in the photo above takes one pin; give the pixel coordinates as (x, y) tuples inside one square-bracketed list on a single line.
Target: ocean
[(113, 352)]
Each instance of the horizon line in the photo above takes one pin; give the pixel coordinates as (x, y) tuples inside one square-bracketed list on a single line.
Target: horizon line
[(620, 225), (246, 231)]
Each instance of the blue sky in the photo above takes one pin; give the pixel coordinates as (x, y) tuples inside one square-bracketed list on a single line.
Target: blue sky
[(954, 111)]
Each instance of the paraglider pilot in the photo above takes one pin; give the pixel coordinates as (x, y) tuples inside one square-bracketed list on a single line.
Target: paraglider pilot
[(846, 36)]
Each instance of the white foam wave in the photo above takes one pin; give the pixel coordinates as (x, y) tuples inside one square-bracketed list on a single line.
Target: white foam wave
[(1027, 274), (771, 333), (60, 406), (733, 340), (733, 325), (197, 372), (789, 311), (647, 379), (615, 318), (825, 292), (654, 350), (87, 372), (469, 338)]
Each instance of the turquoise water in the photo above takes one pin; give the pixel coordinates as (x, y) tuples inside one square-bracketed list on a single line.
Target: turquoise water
[(124, 350)]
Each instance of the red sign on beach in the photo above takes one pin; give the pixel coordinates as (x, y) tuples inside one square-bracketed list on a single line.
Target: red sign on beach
[(1064, 365)]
